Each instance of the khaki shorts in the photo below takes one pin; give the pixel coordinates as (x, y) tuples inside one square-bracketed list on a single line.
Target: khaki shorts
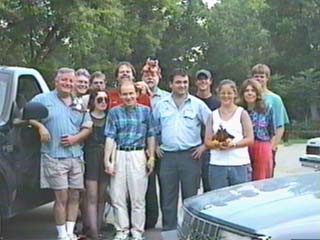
[(59, 174)]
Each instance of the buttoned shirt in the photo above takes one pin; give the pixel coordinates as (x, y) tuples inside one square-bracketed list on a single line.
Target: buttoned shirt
[(130, 126), (62, 121), (179, 127), (157, 95)]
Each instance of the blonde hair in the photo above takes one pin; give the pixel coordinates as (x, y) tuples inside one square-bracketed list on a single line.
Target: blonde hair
[(231, 83), (261, 69)]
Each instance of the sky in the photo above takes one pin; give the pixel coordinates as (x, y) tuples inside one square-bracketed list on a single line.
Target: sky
[(210, 2)]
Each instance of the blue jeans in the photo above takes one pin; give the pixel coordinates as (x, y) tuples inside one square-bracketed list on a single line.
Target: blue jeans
[(224, 176)]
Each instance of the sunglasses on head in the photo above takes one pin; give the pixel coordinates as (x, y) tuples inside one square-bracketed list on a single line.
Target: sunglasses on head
[(102, 99)]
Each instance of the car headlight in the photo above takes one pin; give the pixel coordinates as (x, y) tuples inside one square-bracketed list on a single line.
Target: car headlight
[(225, 235)]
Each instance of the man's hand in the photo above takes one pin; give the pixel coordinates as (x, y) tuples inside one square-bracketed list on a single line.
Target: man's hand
[(150, 165), (44, 134), (110, 169), (159, 152), (143, 87), (198, 152), (68, 141)]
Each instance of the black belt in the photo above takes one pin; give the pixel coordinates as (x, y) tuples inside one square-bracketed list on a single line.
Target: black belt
[(130, 148)]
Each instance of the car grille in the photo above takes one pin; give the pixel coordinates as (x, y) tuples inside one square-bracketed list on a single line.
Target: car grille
[(313, 150), (195, 228)]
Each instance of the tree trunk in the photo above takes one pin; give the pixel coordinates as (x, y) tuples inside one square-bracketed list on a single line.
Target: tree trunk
[(315, 116)]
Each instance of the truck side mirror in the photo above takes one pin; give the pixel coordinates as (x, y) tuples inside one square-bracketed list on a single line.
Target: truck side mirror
[(34, 110)]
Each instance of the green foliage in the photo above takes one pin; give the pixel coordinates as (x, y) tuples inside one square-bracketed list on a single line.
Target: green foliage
[(227, 39)]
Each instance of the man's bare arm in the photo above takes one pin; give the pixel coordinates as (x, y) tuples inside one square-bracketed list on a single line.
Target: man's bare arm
[(43, 131), (277, 138), (108, 151)]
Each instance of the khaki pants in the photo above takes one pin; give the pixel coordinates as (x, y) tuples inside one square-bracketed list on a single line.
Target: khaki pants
[(130, 178)]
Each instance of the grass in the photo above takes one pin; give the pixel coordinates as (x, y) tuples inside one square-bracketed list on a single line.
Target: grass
[(295, 141)]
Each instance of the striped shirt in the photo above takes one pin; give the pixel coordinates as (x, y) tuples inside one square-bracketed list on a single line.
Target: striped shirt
[(62, 120), (130, 127)]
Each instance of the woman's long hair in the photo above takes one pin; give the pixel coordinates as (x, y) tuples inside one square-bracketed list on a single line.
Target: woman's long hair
[(260, 105)]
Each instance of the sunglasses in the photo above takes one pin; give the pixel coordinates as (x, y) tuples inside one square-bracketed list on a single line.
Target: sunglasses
[(102, 100)]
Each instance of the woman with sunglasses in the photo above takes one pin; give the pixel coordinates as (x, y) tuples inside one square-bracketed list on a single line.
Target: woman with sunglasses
[(95, 177)]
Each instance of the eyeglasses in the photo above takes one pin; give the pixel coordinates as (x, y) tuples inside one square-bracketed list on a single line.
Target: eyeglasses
[(102, 100)]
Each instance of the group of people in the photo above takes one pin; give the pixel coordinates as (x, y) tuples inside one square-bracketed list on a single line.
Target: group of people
[(117, 143)]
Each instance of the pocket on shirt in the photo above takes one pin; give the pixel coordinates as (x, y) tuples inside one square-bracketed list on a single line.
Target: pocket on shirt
[(166, 116), (76, 118), (190, 118)]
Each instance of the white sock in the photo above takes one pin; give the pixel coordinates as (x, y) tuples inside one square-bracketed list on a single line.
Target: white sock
[(70, 227), (62, 232)]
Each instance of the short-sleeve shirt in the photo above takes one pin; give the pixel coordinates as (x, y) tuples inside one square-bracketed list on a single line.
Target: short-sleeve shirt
[(263, 124), (130, 126), (179, 127), (158, 94), (62, 121), (279, 111)]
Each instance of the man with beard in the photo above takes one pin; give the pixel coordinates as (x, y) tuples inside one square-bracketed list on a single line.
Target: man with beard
[(126, 72), (151, 75)]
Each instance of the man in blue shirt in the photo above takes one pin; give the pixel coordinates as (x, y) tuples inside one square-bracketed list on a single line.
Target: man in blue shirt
[(179, 117), (151, 75), (61, 135), (130, 128)]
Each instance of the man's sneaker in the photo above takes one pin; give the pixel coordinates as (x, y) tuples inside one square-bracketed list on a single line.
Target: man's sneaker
[(121, 236), (137, 235), (63, 238), (73, 237)]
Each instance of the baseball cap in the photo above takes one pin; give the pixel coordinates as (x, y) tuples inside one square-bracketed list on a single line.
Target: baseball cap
[(203, 72)]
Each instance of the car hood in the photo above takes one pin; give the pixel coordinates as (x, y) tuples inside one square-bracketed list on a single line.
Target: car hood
[(261, 207)]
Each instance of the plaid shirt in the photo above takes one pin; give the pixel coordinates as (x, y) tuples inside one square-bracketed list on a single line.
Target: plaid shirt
[(130, 127)]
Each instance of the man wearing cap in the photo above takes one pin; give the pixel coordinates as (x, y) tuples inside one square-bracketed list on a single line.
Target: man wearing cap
[(204, 92), (61, 136), (151, 75), (130, 128)]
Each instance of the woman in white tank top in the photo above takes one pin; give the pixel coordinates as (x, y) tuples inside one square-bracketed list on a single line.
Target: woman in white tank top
[(229, 161)]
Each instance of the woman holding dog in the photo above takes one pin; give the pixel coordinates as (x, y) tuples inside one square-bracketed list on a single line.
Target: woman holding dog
[(228, 134)]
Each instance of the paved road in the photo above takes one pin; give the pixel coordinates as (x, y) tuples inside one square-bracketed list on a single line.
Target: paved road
[(38, 224)]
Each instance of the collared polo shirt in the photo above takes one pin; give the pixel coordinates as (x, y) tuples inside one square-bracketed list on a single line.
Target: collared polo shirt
[(157, 95), (179, 127), (62, 120), (130, 127)]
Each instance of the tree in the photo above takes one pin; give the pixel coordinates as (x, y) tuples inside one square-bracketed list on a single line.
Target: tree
[(295, 34), (237, 40)]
